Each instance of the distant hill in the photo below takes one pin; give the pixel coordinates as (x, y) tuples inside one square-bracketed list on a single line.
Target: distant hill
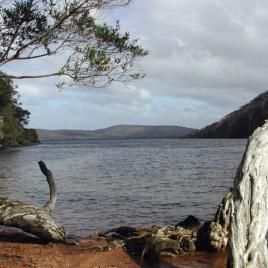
[(238, 124), (116, 132)]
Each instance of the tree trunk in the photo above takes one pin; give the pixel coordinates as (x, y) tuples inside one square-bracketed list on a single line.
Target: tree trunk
[(31, 219), (249, 206)]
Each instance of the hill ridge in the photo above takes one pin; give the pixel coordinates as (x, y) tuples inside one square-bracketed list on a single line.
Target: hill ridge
[(117, 132), (238, 124)]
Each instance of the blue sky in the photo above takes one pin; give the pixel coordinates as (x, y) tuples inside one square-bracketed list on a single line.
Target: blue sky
[(206, 59)]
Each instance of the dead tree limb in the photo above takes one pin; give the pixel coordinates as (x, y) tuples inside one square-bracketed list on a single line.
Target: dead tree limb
[(50, 205), (31, 219), (249, 206)]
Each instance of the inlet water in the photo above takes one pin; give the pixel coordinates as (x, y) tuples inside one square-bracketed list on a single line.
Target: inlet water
[(109, 183)]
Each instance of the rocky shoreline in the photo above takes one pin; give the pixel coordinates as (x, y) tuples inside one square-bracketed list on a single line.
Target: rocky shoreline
[(147, 246), (153, 244), (186, 244), (188, 236), (24, 250)]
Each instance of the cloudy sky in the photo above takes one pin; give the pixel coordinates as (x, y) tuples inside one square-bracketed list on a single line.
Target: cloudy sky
[(207, 58)]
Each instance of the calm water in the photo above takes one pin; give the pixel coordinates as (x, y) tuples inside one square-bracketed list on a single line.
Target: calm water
[(105, 184)]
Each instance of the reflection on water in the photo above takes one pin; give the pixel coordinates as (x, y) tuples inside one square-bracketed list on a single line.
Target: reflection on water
[(104, 184)]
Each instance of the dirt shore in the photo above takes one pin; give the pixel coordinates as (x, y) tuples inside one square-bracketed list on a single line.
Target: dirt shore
[(19, 250)]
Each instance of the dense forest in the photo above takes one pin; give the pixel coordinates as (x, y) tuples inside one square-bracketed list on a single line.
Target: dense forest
[(238, 124), (13, 118)]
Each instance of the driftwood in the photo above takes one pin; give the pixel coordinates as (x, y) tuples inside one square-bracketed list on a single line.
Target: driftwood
[(249, 206), (153, 242), (213, 235), (31, 219), (168, 242)]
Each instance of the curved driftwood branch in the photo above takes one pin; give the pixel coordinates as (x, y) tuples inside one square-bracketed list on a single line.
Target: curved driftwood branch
[(249, 206), (50, 205), (29, 218)]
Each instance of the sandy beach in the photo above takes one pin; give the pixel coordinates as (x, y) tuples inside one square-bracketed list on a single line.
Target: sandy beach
[(20, 250)]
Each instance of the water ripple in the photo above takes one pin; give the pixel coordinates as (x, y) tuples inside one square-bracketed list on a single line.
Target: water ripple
[(103, 184)]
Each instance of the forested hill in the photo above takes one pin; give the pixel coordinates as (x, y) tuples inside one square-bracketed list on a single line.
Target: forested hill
[(13, 118), (238, 124), (117, 132)]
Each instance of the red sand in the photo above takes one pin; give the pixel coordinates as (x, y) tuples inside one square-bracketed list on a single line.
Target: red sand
[(18, 250)]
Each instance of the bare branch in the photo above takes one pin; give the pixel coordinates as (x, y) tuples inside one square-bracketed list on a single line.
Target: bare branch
[(50, 205), (36, 57), (11, 43), (30, 76)]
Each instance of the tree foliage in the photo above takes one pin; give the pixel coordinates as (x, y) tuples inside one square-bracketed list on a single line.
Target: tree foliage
[(96, 54), (13, 117)]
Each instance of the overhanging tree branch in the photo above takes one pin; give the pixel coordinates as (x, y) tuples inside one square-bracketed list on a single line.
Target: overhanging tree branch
[(31, 76), (39, 28)]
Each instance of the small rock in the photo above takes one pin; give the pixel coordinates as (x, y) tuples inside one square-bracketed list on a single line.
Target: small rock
[(159, 246), (136, 245), (125, 231), (212, 237), (122, 232), (187, 244), (117, 243), (96, 235), (190, 222)]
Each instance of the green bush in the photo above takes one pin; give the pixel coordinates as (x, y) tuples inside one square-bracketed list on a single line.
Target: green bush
[(13, 118)]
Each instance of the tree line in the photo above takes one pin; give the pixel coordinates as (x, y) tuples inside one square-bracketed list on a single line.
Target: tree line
[(13, 118), (94, 54)]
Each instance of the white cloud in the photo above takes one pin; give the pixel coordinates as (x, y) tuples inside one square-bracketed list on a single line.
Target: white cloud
[(145, 94), (206, 59)]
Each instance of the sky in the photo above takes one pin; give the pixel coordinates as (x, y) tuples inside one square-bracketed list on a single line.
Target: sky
[(207, 58)]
